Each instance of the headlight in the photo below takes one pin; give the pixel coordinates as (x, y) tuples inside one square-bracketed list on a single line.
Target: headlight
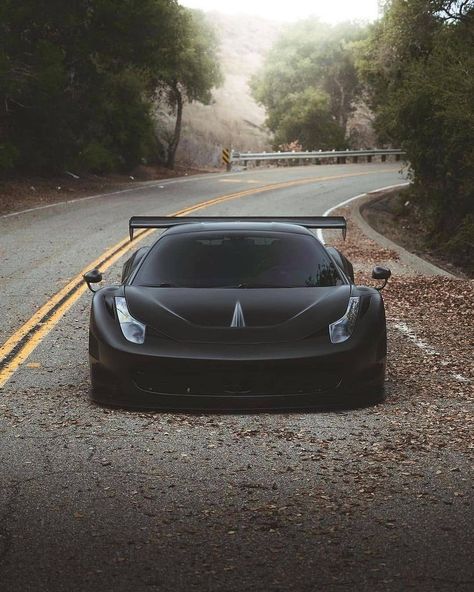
[(132, 329), (343, 328)]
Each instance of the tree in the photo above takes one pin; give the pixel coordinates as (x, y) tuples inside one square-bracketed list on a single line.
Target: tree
[(193, 73), (419, 68), (77, 80), (315, 62), (306, 115)]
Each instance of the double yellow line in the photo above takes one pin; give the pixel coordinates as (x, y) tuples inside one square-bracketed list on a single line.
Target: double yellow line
[(19, 346)]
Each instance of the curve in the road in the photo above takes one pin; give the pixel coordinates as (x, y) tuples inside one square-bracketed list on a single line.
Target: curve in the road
[(320, 233), (16, 350)]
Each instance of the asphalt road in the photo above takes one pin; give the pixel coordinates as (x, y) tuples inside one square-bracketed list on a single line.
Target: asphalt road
[(44, 248), (93, 499)]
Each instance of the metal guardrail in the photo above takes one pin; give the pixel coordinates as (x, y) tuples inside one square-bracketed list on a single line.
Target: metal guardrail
[(340, 155)]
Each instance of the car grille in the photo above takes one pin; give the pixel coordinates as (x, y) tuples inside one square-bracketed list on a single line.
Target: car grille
[(214, 379)]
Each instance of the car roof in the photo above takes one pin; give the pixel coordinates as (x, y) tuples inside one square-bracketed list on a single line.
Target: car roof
[(239, 226)]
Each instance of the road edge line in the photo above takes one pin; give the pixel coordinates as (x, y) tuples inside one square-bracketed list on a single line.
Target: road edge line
[(411, 260), (319, 232), (138, 187)]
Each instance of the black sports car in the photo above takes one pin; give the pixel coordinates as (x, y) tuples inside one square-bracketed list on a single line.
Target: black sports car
[(243, 313)]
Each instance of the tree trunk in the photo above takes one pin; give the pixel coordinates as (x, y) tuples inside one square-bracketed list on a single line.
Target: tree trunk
[(173, 145), (342, 115)]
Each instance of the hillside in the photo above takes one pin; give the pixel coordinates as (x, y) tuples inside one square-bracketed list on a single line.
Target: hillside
[(234, 120)]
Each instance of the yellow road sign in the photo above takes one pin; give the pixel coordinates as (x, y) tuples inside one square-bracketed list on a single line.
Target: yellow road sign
[(226, 156)]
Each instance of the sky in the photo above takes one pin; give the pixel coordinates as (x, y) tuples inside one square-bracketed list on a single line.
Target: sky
[(331, 11)]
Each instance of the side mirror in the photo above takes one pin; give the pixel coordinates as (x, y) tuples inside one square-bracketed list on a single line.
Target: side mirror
[(92, 277), (381, 273)]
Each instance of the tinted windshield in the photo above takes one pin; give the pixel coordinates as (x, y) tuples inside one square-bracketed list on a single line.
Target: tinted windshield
[(238, 260)]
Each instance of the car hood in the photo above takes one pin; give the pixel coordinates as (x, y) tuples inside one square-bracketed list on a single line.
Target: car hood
[(237, 315)]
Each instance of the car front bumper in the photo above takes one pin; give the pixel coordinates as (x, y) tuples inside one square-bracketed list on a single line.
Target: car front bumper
[(226, 377)]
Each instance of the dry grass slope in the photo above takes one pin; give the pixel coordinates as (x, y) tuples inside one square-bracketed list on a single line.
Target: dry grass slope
[(234, 119)]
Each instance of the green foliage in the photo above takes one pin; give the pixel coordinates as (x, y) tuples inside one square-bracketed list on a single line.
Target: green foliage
[(419, 66), (97, 157), (314, 63), (78, 79), (306, 116), (461, 243), (196, 67), (8, 156)]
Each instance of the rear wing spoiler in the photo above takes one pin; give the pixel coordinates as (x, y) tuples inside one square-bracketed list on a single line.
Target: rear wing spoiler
[(323, 222)]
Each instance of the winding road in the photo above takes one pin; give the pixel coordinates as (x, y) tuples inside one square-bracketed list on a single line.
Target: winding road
[(94, 499)]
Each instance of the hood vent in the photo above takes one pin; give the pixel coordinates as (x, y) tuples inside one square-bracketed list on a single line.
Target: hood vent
[(238, 318)]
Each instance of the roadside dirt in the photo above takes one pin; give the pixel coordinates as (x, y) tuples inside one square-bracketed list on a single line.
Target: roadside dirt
[(430, 343), (394, 216), (23, 193)]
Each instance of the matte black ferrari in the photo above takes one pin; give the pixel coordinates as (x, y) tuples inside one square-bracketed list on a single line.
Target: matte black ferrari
[(237, 313)]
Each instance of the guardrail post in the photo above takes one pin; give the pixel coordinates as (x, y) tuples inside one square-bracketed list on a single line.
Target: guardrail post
[(384, 157), (369, 158), (397, 157), (356, 159)]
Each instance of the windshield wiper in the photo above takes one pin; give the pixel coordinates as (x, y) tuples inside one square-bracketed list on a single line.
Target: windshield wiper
[(163, 285), (251, 286), (229, 286)]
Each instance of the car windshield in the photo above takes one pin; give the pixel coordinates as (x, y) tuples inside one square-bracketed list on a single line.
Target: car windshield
[(238, 259)]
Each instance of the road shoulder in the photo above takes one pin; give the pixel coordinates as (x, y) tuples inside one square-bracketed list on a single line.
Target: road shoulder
[(418, 263)]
